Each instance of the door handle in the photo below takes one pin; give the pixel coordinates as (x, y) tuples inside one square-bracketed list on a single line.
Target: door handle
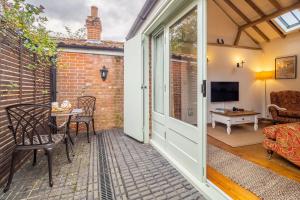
[(203, 88)]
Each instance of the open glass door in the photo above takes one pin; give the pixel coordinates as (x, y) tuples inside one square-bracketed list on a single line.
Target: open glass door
[(178, 90), (177, 99), (183, 125)]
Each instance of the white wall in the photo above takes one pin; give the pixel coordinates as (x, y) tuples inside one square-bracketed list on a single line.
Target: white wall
[(279, 48), (222, 67)]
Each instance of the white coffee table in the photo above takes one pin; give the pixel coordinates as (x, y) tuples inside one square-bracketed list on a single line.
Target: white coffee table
[(233, 118)]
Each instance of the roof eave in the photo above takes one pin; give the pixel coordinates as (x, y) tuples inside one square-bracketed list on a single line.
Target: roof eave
[(76, 46), (142, 16)]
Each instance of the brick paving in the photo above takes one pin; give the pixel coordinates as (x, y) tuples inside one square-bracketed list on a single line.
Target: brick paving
[(112, 166)]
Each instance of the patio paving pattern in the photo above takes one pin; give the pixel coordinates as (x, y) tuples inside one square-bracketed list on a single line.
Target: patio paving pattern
[(112, 166)]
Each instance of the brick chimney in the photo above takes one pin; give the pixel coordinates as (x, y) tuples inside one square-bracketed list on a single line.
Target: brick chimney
[(93, 25)]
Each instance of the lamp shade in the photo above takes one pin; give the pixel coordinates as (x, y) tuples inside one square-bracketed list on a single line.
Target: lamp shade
[(264, 75)]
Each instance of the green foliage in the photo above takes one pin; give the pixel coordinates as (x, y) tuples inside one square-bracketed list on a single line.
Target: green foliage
[(77, 34), (9, 87), (44, 92), (183, 34), (26, 20)]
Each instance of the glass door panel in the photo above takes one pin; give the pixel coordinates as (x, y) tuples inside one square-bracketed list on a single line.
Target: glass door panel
[(183, 69), (158, 74)]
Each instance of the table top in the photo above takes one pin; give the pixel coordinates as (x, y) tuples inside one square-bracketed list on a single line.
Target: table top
[(66, 114), (236, 113)]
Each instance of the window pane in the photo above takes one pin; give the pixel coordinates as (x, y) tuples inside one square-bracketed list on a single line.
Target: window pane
[(183, 69), (158, 76), (297, 14), (289, 19)]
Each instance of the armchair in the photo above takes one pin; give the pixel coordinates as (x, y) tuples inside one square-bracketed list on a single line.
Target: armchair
[(284, 139)]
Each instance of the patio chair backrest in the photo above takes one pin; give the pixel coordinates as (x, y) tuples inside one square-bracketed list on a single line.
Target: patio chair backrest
[(29, 124), (88, 105)]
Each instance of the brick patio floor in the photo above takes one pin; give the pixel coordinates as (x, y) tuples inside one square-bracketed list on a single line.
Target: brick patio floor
[(112, 166)]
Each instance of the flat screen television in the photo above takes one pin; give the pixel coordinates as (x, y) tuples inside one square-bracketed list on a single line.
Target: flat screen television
[(224, 91)]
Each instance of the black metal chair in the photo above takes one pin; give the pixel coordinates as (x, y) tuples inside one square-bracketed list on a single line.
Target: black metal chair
[(88, 105), (32, 130)]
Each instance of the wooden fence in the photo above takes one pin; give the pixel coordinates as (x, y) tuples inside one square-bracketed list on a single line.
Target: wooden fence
[(22, 80)]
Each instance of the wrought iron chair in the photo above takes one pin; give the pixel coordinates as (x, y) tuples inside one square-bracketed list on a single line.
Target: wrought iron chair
[(88, 105), (32, 130)]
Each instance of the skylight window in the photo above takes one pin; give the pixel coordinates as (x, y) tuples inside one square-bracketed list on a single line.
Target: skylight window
[(289, 21)]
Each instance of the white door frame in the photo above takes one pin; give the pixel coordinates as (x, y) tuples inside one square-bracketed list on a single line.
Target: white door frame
[(145, 59), (208, 189)]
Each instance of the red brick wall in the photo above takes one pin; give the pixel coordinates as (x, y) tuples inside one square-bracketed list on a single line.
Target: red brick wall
[(79, 74), (175, 79)]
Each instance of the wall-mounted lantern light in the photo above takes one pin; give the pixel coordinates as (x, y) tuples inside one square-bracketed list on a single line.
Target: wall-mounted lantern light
[(103, 73), (240, 64)]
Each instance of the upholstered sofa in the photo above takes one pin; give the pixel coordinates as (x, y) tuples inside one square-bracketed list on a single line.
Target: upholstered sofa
[(285, 106), (284, 139)]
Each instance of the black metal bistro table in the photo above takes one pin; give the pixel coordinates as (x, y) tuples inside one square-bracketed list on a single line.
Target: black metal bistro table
[(68, 116)]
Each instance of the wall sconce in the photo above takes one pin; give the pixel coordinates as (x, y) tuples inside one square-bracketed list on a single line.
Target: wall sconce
[(103, 73), (240, 64), (220, 41)]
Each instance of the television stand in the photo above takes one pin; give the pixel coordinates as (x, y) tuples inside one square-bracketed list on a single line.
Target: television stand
[(230, 118)]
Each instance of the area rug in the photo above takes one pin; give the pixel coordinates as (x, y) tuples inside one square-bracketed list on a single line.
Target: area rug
[(241, 135), (260, 181)]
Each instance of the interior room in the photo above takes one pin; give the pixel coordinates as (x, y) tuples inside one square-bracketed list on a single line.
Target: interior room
[(252, 85)]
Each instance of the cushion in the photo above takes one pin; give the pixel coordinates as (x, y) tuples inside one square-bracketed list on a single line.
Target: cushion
[(82, 119), (56, 138)]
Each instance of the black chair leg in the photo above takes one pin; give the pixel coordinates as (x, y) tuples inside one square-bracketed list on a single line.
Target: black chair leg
[(93, 121), (67, 149), (12, 171), (34, 157), (87, 132), (77, 127), (49, 155)]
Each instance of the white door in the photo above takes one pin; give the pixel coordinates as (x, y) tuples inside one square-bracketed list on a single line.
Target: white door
[(133, 88), (177, 99)]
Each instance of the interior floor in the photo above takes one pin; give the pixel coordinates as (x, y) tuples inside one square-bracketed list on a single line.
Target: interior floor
[(257, 154), (228, 186)]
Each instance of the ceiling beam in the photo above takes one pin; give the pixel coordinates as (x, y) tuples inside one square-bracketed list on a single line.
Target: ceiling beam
[(245, 18), (234, 46), (252, 38), (262, 34), (238, 37), (225, 12), (276, 29), (271, 16), (262, 14), (275, 4)]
